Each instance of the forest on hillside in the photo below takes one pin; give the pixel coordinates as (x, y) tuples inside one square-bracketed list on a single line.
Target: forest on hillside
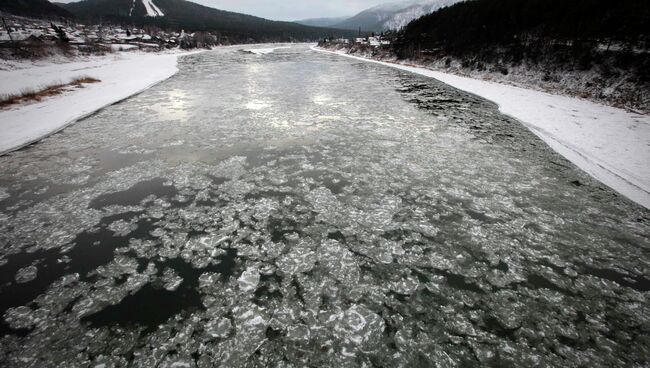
[(594, 48), (34, 8), (192, 17), (471, 25), (513, 30)]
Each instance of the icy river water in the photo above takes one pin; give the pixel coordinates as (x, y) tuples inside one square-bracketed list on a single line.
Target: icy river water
[(298, 209)]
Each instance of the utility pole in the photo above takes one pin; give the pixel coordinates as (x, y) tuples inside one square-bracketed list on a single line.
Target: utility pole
[(8, 30), (9, 33)]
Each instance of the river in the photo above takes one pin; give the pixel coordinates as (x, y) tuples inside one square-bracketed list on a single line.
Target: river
[(296, 209)]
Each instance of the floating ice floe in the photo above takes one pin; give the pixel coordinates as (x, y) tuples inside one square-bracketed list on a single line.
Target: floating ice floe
[(26, 274), (249, 279)]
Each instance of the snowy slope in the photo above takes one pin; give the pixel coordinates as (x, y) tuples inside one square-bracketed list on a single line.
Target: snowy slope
[(152, 9), (610, 144), (265, 50), (119, 8), (393, 15), (121, 76), (403, 17)]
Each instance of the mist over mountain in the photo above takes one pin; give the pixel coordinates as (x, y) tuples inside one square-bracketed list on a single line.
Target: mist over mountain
[(322, 22), (392, 16)]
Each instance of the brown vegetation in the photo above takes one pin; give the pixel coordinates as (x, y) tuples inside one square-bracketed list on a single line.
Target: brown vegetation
[(38, 95)]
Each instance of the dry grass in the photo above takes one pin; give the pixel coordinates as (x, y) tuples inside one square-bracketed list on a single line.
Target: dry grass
[(27, 96)]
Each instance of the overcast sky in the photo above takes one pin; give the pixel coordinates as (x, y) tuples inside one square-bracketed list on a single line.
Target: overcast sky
[(289, 9)]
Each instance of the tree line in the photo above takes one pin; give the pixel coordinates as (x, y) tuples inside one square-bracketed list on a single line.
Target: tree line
[(473, 25), (192, 17)]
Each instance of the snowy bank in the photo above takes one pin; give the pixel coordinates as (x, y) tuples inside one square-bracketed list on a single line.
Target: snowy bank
[(610, 144), (267, 50), (121, 76)]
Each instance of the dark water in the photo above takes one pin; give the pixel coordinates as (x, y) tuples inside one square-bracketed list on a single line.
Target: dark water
[(297, 209)]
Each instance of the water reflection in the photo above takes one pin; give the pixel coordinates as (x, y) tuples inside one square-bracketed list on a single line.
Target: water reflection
[(175, 106)]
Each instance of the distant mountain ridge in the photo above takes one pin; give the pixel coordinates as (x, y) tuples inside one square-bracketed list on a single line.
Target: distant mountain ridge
[(34, 8), (181, 14), (392, 16), (322, 22), (415, 11)]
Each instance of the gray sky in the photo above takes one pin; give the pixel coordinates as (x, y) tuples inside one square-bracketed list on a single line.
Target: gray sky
[(289, 9)]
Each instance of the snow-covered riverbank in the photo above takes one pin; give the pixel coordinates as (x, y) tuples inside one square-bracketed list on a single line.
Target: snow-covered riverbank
[(610, 144), (122, 75)]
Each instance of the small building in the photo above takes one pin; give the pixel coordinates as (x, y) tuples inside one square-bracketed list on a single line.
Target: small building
[(374, 41), (32, 40)]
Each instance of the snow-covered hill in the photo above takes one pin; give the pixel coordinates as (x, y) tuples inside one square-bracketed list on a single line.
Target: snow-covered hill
[(393, 15), (151, 8), (192, 17), (403, 17), (122, 8)]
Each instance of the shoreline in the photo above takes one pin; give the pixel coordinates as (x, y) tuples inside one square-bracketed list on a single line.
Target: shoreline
[(610, 144), (122, 76), (92, 99)]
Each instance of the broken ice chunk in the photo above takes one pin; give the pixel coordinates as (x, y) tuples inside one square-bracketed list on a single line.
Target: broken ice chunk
[(218, 328), (264, 207), (360, 327), (169, 362), (19, 317), (122, 228), (405, 286), (171, 280), (26, 274), (299, 259), (158, 232), (4, 194), (208, 279), (339, 262), (250, 323), (249, 279), (459, 325), (231, 168), (299, 333)]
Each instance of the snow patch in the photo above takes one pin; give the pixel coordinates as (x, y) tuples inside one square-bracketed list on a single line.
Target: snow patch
[(264, 51), (152, 9), (123, 47), (121, 76), (132, 7)]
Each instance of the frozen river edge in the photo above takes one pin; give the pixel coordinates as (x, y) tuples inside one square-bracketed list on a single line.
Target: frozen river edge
[(122, 76), (610, 144)]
